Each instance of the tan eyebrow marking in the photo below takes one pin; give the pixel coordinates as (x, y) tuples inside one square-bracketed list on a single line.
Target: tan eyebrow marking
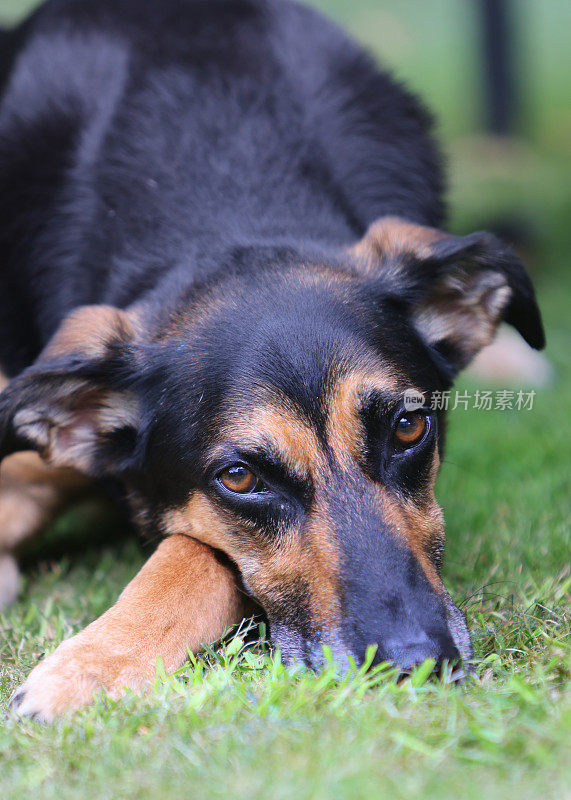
[(345, 433), (293, 439)]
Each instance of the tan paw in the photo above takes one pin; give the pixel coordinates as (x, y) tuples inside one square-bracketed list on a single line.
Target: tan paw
[(32, 494), (9, 580), (72, 675), (21, 517)]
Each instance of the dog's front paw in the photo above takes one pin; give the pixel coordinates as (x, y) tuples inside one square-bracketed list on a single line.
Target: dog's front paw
[(68, 679), (9, 580)]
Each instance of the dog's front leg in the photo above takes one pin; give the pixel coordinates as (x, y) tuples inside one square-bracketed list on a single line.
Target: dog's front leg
[(183, 597)]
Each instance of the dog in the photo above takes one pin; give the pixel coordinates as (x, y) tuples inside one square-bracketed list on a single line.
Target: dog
[(223, 265)]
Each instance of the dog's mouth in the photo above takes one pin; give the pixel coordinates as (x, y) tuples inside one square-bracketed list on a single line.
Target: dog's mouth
[(447, 644), (315, 655)]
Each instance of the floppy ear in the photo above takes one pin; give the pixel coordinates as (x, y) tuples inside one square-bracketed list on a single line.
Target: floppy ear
[(456, 290), (74, 405)]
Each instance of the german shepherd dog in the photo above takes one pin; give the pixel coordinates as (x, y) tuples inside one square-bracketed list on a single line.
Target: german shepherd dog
[(221, 269)]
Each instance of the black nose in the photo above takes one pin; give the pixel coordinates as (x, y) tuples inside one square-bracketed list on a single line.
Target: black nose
[(408, 653)]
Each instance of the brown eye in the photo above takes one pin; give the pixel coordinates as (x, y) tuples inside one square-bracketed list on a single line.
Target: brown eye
[(410, 429), (239, 479)]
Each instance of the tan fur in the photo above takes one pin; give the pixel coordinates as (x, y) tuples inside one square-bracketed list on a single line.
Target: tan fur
[(419, 527), (464, 309), (182, 598), (281, 428), (202, 520), (67, 429), (344, 426), (88, 330), (390, 237), (311, 556), (466, 313), (320, 561), (31, 496), (310, 559)]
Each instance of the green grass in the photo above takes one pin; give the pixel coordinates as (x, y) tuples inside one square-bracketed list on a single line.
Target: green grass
[(234, 722)]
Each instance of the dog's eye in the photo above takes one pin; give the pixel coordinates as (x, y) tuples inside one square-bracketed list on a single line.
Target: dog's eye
[(240, 479), (410, 429)]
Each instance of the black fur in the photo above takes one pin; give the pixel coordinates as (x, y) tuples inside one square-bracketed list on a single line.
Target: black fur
[(142, 142)]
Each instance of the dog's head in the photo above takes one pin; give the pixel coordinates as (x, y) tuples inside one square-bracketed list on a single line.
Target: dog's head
[(263, 414)]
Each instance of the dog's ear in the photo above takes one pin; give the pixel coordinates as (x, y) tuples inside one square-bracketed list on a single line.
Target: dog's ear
[(76, 404), (456, 290)]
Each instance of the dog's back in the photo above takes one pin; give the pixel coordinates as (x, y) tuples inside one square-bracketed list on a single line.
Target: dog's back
[(140, 139)]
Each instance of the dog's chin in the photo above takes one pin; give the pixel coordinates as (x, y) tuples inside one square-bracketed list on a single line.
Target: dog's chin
[(298, 650)]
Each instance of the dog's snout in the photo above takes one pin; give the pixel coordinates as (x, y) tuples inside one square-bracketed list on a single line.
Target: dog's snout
[(402, 650), (407, 654)]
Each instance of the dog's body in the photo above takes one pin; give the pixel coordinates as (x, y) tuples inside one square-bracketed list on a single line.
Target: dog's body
[(220, 271), (145, 143)]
